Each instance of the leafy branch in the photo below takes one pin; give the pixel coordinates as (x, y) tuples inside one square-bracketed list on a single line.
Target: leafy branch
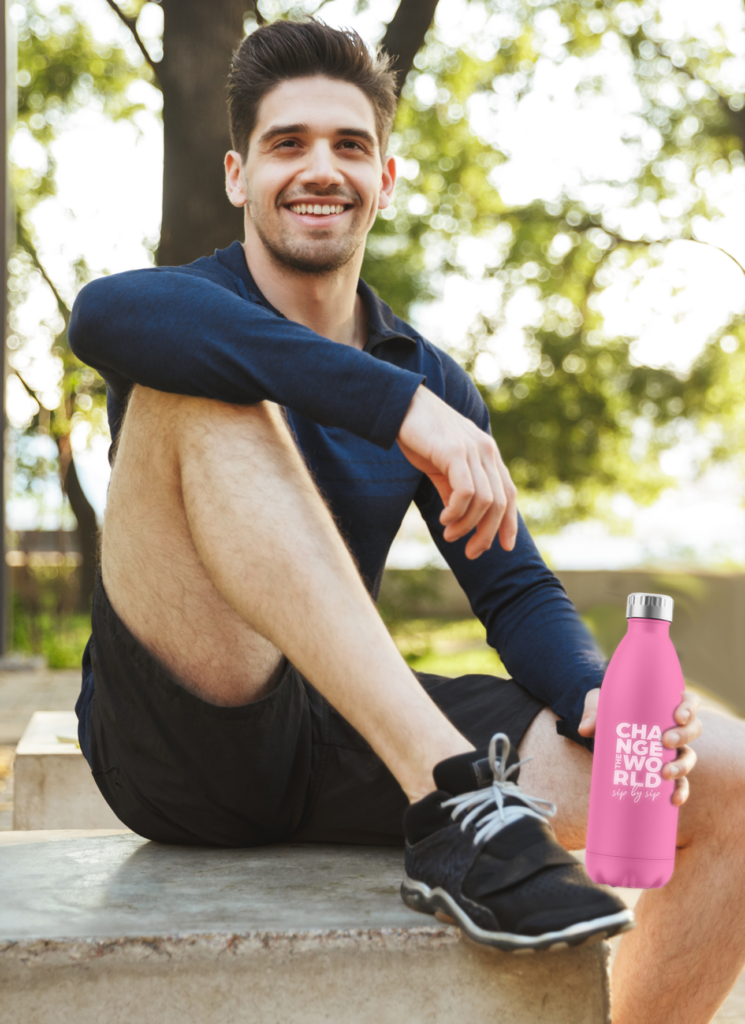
[(131, 24)]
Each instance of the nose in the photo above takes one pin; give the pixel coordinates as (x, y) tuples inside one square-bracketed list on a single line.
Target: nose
[(321, 167)]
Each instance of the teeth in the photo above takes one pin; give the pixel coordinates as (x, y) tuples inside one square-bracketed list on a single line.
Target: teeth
[(317, 209)]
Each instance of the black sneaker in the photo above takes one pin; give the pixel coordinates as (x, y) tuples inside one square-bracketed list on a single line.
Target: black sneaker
[(480, 854)]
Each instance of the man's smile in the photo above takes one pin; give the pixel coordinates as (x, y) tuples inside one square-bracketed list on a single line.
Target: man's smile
[(318, 213)]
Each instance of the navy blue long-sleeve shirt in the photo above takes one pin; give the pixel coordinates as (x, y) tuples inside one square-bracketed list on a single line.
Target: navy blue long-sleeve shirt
[(206, 330)]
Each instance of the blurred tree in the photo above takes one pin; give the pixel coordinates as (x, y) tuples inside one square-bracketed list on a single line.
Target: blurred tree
[(62, 70), (585, 421), (198, 40), (572, 429)]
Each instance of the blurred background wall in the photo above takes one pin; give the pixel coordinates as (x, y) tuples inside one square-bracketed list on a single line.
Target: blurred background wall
[(707, 627)]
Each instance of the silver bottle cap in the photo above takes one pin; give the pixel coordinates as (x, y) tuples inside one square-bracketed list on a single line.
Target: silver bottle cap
[(649, 606)]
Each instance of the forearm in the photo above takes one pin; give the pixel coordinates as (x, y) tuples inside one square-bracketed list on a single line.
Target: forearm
[(184, 334), (529, 619), (543, 642)]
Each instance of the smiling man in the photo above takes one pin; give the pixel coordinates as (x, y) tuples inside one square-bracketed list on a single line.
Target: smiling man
[(272, 422)]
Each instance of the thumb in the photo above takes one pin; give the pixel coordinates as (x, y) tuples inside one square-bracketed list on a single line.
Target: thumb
[(588, 721), (590, 712)]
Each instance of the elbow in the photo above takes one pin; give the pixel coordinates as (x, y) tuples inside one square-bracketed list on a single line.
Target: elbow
[(86, 319)]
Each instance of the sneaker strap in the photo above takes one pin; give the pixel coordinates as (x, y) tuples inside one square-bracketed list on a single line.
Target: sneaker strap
[(490, 874)]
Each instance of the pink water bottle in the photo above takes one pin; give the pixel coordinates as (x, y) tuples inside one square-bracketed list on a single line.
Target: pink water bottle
[(633, 823)]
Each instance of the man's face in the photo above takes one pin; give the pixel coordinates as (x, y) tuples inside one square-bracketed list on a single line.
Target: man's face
[(322, 162)]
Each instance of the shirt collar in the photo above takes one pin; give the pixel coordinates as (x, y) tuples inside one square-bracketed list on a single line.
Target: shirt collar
[(380, 317)]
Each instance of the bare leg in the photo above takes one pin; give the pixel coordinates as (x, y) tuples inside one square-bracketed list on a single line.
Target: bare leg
[(688, 948), (221, 557)]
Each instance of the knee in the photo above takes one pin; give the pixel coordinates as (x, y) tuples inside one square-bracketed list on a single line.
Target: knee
[(185, 411), (216, 441), (203, 425), (715, 807)]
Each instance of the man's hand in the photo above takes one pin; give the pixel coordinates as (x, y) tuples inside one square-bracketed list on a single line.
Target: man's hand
[(685, 714), (464, 464)]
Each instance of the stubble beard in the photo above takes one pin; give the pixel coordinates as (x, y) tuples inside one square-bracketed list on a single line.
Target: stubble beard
[(318, 257)]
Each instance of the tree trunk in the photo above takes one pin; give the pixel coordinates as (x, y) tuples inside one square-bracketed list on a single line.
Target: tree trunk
[(87, 525), (198, 40), (405, 34)]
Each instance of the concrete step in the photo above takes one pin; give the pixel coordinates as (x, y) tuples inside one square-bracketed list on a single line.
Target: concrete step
[(53, 785), (104, 927)]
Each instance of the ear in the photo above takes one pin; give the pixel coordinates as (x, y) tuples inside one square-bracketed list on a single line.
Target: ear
[(234, 178), (388, 180)]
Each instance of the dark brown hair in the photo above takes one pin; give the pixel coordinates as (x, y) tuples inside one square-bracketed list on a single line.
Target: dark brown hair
[(297, 49)]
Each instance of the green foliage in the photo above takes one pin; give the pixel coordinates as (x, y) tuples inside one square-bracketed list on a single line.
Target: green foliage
[(61, 638), (62, 70), (448, 647), (404, 593), (570, 428), (608, 625), (585, 421), (456, 647)]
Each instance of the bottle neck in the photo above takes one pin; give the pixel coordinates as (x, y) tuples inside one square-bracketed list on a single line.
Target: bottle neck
[(659, 627)]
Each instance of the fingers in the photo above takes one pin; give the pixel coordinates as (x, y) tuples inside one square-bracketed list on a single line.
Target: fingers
[(682, 764), (590, 713), (476, 505), (682, 791), (489, 504), (689, 729), (460, 479), (508, 526), (490, 515), (686, 710), (464, 464), (684, 733)]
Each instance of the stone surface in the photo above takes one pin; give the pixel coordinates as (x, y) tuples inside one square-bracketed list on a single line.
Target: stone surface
[(53, 785), (108, 928)]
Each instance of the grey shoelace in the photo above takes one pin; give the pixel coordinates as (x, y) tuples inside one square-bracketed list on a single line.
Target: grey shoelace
[(479, 800)]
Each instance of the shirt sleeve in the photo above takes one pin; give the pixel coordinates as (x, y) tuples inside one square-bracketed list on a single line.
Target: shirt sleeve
[(184, 333), (528, 617)]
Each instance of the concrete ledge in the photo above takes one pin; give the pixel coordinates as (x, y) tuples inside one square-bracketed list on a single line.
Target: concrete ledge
[(380, 977), (54, 788), (109, 928)]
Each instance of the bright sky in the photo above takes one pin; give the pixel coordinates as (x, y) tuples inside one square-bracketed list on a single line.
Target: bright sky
[(109, 200)]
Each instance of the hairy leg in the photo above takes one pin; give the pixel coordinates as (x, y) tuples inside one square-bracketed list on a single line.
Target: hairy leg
[(688, 947), (221, 557)]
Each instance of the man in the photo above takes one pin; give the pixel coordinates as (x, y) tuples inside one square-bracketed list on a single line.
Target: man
[(272, 422)]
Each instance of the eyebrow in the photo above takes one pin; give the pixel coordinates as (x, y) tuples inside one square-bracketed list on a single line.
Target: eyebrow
[(303, 129)]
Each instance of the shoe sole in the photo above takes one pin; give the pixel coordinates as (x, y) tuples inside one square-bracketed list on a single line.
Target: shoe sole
[(420, 897)]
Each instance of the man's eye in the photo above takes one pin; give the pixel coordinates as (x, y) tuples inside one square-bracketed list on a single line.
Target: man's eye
[(292, 143)]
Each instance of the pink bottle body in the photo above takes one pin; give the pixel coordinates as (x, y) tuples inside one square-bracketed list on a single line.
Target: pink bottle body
[(632, 824)]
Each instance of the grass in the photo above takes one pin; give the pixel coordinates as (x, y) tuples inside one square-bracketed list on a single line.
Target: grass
[(60, 638), (448, 647), (442, 646)]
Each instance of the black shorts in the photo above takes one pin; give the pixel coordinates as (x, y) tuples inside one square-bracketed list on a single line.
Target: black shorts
[(288, 767)]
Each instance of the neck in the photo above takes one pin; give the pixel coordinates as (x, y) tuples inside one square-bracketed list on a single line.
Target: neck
[(327, 304)]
